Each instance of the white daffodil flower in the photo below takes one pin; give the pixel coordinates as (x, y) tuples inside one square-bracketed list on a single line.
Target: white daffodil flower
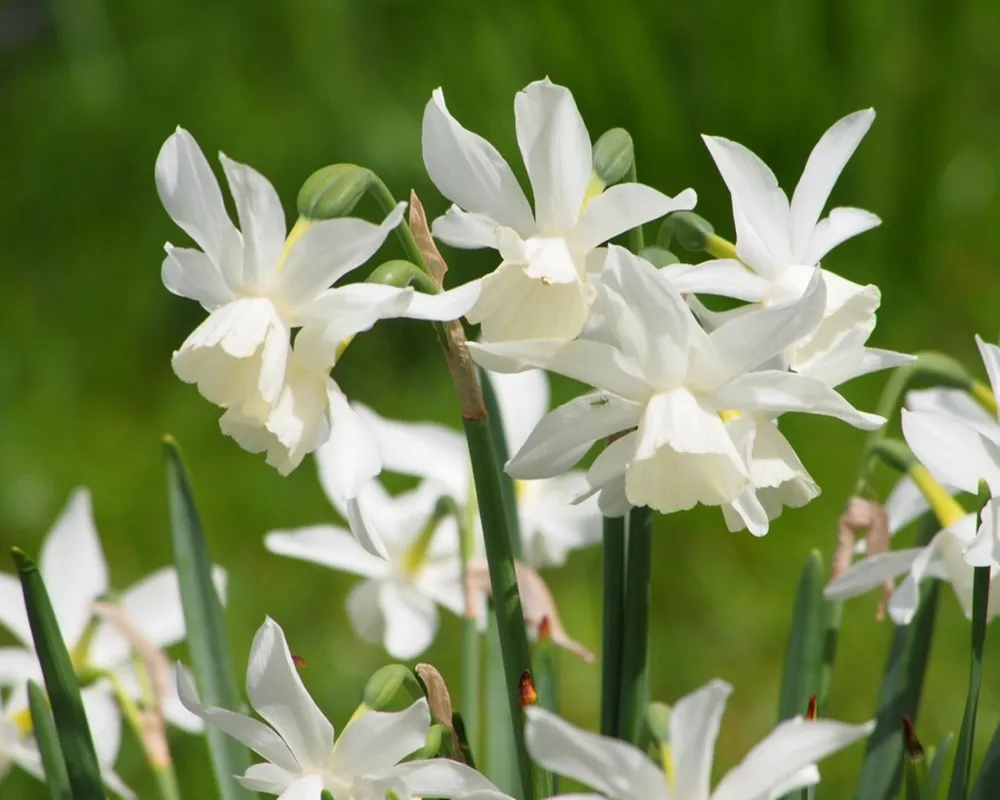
[(664, 388), (551, 525), (302, 756), (419, 569), (543, 286), (257, 285), (18, 747), (779, 243), (75, 572), (781, 763)]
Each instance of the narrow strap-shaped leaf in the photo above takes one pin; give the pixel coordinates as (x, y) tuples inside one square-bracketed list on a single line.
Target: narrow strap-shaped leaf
[(833, 613), (899, 693), (938, 761), (513, 640), (988, 778), (635, 642), (47, 739), (804, 652), (499, 758), (206, 630), (613, 615), (959, 786), (61, 685)]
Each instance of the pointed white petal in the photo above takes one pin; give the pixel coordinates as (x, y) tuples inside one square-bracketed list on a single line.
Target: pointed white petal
[(465, 229), (563, 436), (376, 741), (596, 363), (842, 224), (470, 172), (513, 306), (955, 403), (747, 341), (174, 711), (364, 613), (694, 727), (350, 457), (952, 451), (776, 392), (826, 162), (13, 615), (523, 398), (623, 207), (191, 195), (73, 566), (411, 620), (792, 746), (724, 277), (991, 359), (904, 504), (308, 787), (268, 778), (255, 735), (615, 768), (758, 200), (105, 722), (871, 573), (18, 664), (441, 777), (985, 549), (262, 223), (190, 273), (329, 546), (611, 465), (555, 146), (276, 692), (328, 251), (445, 306)]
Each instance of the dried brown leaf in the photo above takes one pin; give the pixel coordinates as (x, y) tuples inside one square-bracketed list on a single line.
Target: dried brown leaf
[(870, 518), (421, 231)]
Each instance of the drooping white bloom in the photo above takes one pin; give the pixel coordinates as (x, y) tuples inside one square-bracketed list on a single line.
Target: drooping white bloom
[(551, 526), (75, 572), (782, 762), (664, 387), (419, 567), (543, 286), (781, 242), (18, 748), (257, 286), (302, 756)]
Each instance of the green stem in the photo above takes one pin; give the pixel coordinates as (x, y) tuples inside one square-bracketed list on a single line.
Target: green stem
[(636, 240), (503, 579), (507, 486), (471, 688), (613, 603), (959, 787), (385, 199), (635, 640)]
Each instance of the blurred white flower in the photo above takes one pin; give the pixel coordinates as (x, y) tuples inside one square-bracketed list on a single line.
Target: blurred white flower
[(542, 288), (781, 763), (75, 572), (18, 747), (419, 569), (551, 525), (781, 242), (302, 757), (257, 286), (665, 387)]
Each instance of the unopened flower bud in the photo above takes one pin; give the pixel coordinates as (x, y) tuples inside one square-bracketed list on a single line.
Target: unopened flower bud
[(613, 156), (690, 229), (333, 191), (384, 684), (658, 722), (658, 256), (812, 708), (438, 737)]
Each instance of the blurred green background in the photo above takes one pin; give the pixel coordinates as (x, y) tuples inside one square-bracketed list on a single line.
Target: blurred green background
[(90, 89)]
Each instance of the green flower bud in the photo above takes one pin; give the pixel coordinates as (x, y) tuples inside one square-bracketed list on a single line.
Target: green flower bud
[(658, 256), (614, 155), (383, 686), (658, 722), (438, 737), (334, 191), (691, 230)]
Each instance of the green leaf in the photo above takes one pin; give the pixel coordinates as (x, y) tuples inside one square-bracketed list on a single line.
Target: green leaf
[(613, 605), (804, 652), (511, 636), (507, 488), (44, 729), (206, 630), (989, 772), (499, 758), (635, 623), (61, 685), (899, 693), (832, 616), (938, 761)]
